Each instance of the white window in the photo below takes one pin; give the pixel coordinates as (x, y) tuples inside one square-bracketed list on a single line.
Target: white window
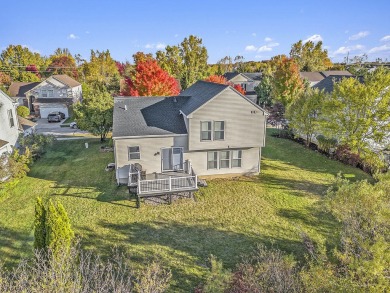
[(212, 160), (236, 158), (134, 153), (50, 93), (44, 93), (11, 118), (224, 159), (205, 130), (219, 130)]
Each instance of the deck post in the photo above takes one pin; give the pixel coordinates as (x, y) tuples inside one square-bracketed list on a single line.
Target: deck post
[(170, 183), (196, 181), (138, 202)]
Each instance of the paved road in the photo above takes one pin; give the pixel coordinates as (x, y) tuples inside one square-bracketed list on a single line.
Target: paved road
[(54, 128)]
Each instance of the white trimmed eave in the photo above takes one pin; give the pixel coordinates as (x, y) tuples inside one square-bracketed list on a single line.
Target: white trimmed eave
[(147, 136)]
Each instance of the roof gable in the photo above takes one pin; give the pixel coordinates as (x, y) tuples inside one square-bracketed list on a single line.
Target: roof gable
[(65, 79), (19, 89), (327, 84)]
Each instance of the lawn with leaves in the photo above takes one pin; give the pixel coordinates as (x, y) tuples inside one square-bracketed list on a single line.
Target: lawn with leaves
[(228, 219)]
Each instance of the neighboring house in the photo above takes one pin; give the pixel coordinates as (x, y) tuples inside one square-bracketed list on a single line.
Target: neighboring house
[(209, 129), (56, 93), (9, 125), (327, 84), (248, 81), (315, 77), (17, 91), (26, 126)]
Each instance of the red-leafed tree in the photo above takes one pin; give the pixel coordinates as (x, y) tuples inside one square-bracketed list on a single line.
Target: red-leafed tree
[(33, 69), (63, 64), (222, 80), (150, 79)]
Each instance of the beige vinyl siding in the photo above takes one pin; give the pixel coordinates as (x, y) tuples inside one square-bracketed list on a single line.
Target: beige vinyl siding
[(249, 163), (150, 153), (244, 123)]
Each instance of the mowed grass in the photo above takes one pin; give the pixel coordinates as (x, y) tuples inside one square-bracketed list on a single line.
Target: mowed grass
[(228, 219)]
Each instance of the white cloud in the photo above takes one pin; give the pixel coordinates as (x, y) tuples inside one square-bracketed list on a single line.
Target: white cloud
[(274, 44), (346, 49), (267, 39), (250, 48), (382, 48), (73, 37), (313, 38), (264, 49), (385, 38), (359, 35), (176, 35), (254, 34), (149, 46), (160, 46), (30, 48)]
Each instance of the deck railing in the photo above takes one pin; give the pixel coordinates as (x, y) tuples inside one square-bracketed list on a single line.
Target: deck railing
[(170, 184)]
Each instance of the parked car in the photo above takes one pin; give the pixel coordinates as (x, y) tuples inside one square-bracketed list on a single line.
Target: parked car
[(53, 117), (62, 115)]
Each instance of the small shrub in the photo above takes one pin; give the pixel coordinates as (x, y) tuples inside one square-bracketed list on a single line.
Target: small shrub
[(37, 143), (22, 111), (326, 144), (344, 154)]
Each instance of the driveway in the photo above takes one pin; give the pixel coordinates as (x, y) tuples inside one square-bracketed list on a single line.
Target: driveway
[(54, 128)]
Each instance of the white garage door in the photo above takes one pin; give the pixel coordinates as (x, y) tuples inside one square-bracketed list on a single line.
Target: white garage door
[(45, 110)]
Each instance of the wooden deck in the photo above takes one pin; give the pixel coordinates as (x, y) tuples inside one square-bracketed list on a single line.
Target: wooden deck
[(162, 183)]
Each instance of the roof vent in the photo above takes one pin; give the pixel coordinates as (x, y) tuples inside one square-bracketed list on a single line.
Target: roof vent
[(174, 100)]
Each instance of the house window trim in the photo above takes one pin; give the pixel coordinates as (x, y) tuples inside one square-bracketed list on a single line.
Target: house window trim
[(225, 160), (224, 130), (129, 153), (44, 93), (50, 92), (210, 131), (11, 119), (230, 159)]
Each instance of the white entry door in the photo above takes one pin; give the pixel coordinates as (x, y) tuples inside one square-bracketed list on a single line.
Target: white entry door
[(172, 159)]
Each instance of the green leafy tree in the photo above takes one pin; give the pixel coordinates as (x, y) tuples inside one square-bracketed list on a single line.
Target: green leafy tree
[(40, 225), (362, 208), (102, 69), (187, 61), (225, 65), (310, 56), (264, 91), (94, 113), (304, 114), (16, 58), (286, 83), (356, 113), (23, 111), (52, 229)]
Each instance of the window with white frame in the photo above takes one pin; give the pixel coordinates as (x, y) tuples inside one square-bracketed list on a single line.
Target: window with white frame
[(219, 130), (11, 118), (224, 159), (134, 153), (50, 92), (236, 158), (205, 130), (212, 160), (44, 93)]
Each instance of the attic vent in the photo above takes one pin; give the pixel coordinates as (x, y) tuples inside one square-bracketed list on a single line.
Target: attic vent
[(174, 100)]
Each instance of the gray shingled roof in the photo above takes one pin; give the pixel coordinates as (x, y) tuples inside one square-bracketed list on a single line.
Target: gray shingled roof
[(139, 116), (65, 79), (327, 84), (316, 76), (230, 75), (253, 75), (19, 89), (201, 92)]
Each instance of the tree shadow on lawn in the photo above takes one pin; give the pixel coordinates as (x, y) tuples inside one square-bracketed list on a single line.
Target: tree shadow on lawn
[(14, 245), (188, 245)]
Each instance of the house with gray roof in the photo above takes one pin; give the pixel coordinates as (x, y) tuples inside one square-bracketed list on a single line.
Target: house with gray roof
[(247, 80), (162, 144), (315, 77), (56, 93)]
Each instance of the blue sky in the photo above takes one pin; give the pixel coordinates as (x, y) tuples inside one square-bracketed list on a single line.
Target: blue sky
[(256, 30)]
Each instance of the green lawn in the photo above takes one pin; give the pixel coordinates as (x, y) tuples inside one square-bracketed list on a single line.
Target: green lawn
[(228, 219)]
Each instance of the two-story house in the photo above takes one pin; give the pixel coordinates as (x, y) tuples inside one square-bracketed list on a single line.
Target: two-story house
[(248, 81), (209, 129), (56, 93), (9, 126)]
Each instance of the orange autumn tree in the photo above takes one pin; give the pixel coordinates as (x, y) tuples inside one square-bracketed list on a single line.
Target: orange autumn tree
[(222, 80), (149, 79)]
